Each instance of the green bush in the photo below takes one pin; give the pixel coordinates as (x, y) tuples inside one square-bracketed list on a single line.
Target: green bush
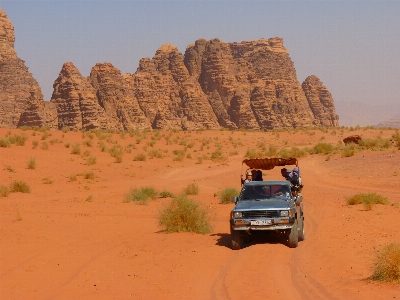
[(253, 153), (4, 191), (34, 144), (185, 215), (142, 195), (387, 264), (226, 195), (368, 200), (191, 189), (19, 187)]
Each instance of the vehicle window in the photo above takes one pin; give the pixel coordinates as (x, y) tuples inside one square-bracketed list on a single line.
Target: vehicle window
[(264, 192)]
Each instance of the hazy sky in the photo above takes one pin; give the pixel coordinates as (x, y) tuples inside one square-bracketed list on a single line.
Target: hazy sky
[(352, 46)]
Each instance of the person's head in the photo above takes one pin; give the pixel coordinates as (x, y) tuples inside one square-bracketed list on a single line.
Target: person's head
[(249, 175), (283, 172)]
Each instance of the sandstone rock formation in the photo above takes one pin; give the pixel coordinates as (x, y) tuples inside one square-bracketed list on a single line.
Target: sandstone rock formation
[(21, 99), (76, 101), (250, 85), (321, 101)]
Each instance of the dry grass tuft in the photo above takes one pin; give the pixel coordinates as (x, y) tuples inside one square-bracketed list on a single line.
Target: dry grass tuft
[(387, 264), (19, 187), (185, 215), (191, 189), (142, 195), (368, 200), (226, 195), (4, 191), (32, 163)]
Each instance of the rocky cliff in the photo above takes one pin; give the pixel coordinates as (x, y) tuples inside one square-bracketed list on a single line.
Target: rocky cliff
[(250, 85), (21, 99)]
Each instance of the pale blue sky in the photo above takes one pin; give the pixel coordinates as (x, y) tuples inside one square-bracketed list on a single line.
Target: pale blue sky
[(352, 46)]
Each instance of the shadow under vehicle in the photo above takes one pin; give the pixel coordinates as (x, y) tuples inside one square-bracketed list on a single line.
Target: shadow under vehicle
[(273, 206)]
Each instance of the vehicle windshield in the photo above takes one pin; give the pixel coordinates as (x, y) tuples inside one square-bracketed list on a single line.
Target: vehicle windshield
[(259, 192)]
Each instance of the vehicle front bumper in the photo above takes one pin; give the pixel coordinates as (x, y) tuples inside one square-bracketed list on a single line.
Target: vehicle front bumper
[(275, 224)]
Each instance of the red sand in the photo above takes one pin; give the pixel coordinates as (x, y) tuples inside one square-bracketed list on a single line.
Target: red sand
[(56, 245)]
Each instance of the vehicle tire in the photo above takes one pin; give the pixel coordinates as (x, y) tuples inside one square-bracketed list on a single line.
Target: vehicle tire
[(293, 238), (302, 235), (236, 238)]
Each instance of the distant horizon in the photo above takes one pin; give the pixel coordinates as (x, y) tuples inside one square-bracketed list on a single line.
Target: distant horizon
[(351, 46)]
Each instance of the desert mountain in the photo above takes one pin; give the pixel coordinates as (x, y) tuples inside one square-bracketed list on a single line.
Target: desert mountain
[(392, 122), (21, 99), (250, 85)]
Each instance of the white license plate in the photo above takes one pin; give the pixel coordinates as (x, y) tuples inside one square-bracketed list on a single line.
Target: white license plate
[(260, 222)]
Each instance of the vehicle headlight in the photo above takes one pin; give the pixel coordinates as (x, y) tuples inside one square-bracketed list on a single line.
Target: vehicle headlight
[(237, 214), (284, 213)]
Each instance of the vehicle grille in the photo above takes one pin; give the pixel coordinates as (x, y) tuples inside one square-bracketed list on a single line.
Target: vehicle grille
[(261, 214)]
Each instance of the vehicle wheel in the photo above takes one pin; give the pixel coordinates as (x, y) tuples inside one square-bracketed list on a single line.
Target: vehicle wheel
[(293, 238), (236, 238), (302, 235)]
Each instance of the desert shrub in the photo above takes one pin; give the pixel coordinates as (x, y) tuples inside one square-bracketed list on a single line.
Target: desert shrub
[(4, 191), (387, 264), (165, 194), (53, 141), (191, 189), (44, 146), (76, 149), (155, 153), (185, 215), (20, 139), (217, 155), (179, 154), (375, 144), (47, 180), (368, 200), (34, 144), (87, 143), (5, 143), (91, 160), (88, 175), (140, 157), (19, 187), (322, 148), (271, 151), (86, 153), (32, 163), (253, 153), (349, 150), (116, 152), (89, 198), (65, 129), (225, 196), (102, 146), (142, 195), (72, 177), (67, 145)]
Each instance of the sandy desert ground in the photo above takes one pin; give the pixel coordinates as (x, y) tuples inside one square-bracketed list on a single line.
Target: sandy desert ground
[(76, 238)]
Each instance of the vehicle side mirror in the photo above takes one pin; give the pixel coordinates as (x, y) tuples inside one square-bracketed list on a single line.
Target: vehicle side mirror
[(234, 199)]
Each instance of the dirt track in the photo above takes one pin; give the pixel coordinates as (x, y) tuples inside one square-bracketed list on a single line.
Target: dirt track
[(56, 245)]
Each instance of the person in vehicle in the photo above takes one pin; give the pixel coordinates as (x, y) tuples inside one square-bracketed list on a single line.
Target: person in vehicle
[(249, 178), (258, 176)]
